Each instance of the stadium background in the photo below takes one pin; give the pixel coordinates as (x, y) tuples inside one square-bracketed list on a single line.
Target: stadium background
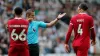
[(51, 40)]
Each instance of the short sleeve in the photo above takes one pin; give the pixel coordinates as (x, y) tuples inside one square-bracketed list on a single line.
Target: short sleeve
[(42, 24), (91, 23)]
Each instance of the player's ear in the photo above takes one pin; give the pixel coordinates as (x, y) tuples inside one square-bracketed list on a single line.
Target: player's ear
[(79, 8), (27, 15)]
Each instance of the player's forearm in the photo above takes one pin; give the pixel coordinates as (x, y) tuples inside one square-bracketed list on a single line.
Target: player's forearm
[(52, 23), (68, 34), (93, 34), (67, 37)]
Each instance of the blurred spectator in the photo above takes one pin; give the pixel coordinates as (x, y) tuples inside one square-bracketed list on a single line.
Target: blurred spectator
[(98, 32), (18, 3), (42, 14), (1, 10), (26, 5), (60, 48)]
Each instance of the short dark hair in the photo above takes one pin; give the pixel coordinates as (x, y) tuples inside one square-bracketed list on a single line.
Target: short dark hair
[(18, 11), (28, 12), (83, 6)]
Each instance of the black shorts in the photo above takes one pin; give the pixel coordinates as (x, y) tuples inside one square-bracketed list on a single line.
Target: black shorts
[(34, 49)]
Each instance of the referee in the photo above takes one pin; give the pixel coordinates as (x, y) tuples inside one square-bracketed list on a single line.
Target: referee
[(32, 35)]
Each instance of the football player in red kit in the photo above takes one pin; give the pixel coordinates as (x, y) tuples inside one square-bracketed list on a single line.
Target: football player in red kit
[(17, 28), (83, 27)]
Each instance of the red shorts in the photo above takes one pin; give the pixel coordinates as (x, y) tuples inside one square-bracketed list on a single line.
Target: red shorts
[(80, 51), (18, 51)]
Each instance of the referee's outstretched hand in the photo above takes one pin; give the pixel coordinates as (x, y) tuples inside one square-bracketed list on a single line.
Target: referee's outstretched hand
[(61, 15)]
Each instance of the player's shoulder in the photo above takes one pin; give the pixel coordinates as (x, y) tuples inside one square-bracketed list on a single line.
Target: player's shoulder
[(9, 20), (74, 17), (89, 17), (25, 21), (84, 15)]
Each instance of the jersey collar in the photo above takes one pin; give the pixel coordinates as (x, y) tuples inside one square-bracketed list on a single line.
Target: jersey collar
[(17, 18), (83, 13)]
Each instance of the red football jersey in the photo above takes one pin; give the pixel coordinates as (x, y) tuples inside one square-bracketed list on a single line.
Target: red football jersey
[(82, 24), (17, 28)]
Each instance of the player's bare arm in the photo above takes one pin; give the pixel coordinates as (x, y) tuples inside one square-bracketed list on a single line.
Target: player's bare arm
[(92, 32), (93, 41), (56, 20)]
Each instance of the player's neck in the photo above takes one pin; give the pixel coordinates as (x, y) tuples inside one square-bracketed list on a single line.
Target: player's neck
[(18, 17), (83, 12)]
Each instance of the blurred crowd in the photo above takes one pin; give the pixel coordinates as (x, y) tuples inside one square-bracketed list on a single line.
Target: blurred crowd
[(51, 40)]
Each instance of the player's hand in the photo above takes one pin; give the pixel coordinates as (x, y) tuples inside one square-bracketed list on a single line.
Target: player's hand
[(67, 47), (93, 42), (61, 15)]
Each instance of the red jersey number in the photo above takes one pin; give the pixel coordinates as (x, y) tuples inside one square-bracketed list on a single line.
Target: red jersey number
[(80, 30), (21, 36)]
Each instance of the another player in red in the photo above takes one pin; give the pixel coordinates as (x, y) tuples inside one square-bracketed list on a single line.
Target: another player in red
[(83, 27), (17, 28)]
